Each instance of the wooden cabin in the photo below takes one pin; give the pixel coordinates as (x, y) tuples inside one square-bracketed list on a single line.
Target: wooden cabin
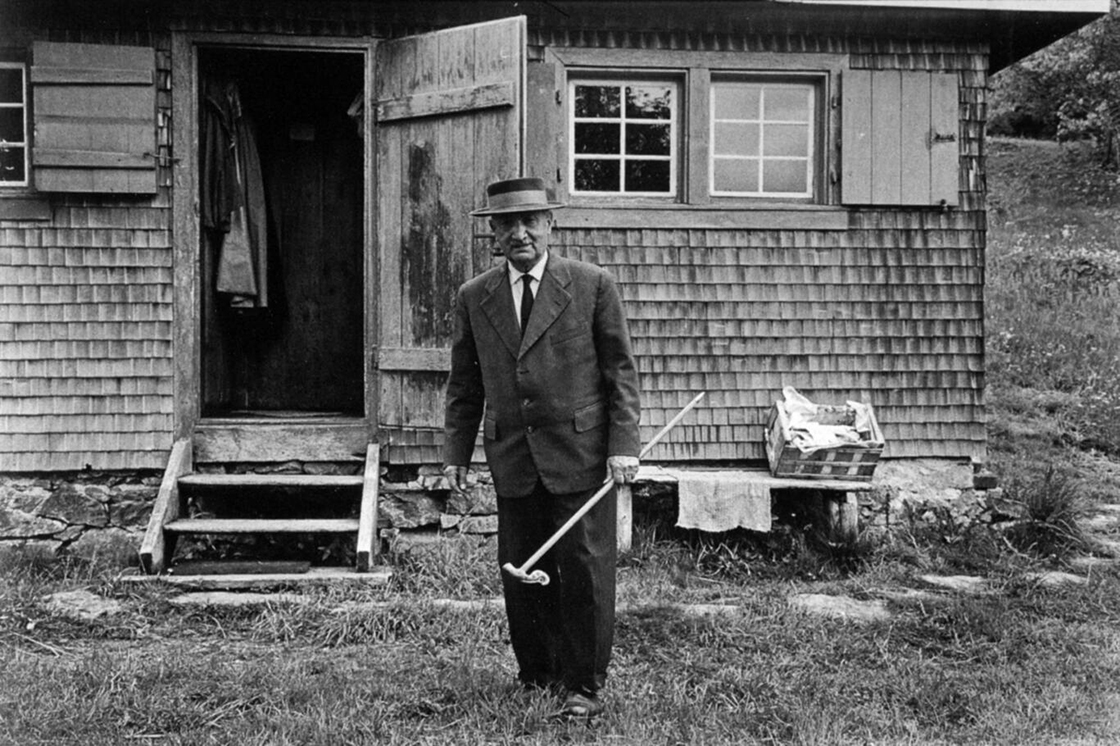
[(790, 192)]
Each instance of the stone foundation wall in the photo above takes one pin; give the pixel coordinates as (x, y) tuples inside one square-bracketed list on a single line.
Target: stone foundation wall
[(98, 516), (103, 515)]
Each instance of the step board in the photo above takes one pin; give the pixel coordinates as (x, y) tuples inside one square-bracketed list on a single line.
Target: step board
[(315, 576), (263, 526), (219, 481)]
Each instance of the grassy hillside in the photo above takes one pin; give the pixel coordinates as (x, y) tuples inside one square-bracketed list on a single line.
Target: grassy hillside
[(1053, 322)]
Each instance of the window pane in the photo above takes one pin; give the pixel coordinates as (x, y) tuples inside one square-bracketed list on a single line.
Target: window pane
[(11, 124), (787, 104), (647, 139), (787, 140), (648, 102), (784, 176), (735, 138), (11, 85), (598, 101), (647, 176), (592, 137), (735, 175), (735, 101), (11, 165), (597, 176)]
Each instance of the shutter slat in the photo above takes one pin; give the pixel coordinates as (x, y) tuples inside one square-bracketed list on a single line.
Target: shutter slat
[(41, 75), (855, 136), (886, 152), (944, 140), (915, 139), (91, 159)]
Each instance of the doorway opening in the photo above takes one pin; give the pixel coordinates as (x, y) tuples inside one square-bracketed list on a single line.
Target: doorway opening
[(281, 198)]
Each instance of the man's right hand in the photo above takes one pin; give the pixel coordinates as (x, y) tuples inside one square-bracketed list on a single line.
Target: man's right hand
[(457, 476)]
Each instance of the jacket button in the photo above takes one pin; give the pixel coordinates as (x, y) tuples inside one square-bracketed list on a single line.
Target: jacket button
[(529, 429), (527, 402)]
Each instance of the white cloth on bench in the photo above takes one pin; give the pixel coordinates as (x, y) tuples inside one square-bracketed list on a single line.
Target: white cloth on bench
[(721, 501)]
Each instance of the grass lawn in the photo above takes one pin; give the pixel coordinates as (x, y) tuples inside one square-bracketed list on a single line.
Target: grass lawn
[(709, 649)]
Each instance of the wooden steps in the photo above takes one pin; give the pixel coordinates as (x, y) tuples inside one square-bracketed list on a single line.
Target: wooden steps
[(261, 504)]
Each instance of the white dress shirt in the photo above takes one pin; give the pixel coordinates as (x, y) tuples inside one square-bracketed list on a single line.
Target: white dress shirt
[(515, 275)]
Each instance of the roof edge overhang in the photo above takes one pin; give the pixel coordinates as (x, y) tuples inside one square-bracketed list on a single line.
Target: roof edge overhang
[(1013, 29)]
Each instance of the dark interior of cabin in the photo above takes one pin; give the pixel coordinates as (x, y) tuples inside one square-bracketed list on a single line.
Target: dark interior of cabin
[(281, 195)]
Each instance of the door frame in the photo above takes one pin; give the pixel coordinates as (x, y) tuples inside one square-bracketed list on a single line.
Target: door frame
[(335, 435)]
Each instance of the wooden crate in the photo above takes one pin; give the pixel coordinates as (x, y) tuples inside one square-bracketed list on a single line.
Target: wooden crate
[(839, 462)]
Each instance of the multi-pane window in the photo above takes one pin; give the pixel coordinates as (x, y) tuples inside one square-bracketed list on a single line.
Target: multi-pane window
[(13, 125), (762, 139), (624, 137)]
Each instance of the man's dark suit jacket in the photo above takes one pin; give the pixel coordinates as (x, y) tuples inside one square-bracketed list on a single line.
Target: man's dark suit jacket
[(554, 403)]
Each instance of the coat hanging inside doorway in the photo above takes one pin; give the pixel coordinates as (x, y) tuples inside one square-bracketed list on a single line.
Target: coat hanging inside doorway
[(233, 196)]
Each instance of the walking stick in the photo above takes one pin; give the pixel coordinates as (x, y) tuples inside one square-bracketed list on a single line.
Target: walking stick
[(540, 576)]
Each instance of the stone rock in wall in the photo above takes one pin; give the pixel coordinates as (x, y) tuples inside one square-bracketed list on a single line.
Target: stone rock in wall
[(332, 468), (111, 546), (131, 505), (28, 549), (25, 495), (16, 524), (922, 476), (479, 524), (410, 509), (77, 504), (481, 500)]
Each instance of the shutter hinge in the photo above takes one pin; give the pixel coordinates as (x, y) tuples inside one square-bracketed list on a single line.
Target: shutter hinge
[(936, 137), (558, 97)]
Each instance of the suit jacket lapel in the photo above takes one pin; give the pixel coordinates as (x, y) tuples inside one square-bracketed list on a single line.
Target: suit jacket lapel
[(549, 302), (498, 307)]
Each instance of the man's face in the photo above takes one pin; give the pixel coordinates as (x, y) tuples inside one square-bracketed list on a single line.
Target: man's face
[(522, 236)]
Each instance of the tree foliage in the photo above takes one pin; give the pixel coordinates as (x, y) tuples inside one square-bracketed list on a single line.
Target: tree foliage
[(1069, 91)]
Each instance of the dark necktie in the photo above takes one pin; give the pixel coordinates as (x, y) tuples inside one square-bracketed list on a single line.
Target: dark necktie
[(526, 302)]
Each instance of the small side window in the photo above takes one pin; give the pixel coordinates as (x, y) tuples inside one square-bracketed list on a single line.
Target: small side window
[(763, 139), (13, 125), (623, 137)]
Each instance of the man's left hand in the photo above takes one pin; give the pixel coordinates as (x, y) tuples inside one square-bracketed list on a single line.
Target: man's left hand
[(623, 468)]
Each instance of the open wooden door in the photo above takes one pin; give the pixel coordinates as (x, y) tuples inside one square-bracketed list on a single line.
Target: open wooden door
[(448, 109)]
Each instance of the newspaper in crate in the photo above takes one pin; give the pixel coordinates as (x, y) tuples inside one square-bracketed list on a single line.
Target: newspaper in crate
[(813, 427)]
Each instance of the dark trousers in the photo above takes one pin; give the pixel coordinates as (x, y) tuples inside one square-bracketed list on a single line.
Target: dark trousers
[(561, 632)]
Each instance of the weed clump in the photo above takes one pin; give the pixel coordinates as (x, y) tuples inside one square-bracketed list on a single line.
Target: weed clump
[(1051, 507)]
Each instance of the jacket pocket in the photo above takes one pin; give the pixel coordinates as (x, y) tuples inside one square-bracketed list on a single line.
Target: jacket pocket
[(490, 427), (591, 416)]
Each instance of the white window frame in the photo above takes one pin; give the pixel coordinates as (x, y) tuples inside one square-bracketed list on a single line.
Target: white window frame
[(675, 122), (25, 144), (811, 86)]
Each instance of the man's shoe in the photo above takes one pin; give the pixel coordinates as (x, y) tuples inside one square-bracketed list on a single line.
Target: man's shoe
[(580, 705)]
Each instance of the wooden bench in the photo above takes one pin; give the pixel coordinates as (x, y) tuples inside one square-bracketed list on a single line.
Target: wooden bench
[(842, 505)]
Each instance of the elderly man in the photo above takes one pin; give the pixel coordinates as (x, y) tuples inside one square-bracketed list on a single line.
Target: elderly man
[(541, 357)]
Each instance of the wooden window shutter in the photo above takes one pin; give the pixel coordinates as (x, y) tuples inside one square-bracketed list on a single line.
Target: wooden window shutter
[(94, 109), (899, 140)]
